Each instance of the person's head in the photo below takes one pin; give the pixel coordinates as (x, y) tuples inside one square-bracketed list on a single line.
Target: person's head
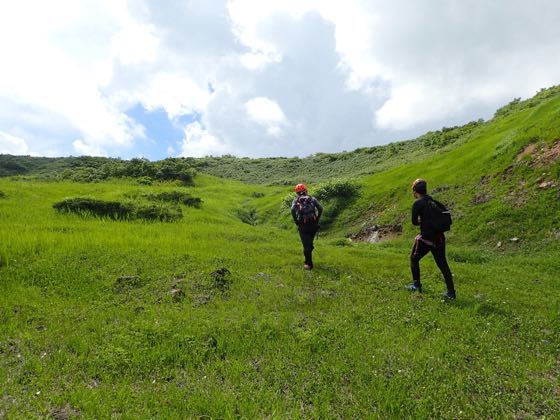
[(301, 189), (419, 187)]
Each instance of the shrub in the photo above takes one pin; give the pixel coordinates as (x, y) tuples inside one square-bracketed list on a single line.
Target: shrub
[(116, 210), (177, 197), (162, 213), (288, 200), (81, 205), (144, 180), (337, 189), (248, 215), (2, 194)]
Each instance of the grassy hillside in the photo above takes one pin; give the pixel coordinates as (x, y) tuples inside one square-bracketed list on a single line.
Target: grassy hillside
[(504, 182), (211, 314), (125, 318)]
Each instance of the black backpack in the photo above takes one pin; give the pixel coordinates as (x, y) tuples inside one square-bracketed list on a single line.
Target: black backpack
[(306, 210), (439, 216)]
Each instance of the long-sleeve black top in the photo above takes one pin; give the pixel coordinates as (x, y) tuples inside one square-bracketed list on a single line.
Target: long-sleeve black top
[(420, 215)]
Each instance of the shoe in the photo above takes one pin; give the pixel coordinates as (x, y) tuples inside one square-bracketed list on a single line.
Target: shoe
[(414, 288), (449, 295), (307, 267)]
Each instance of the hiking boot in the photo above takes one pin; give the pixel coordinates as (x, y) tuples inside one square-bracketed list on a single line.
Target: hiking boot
[(449, 295), (412, 287), (307, 267)]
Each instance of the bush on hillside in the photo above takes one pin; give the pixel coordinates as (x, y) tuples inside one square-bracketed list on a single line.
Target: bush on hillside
[(158, 212), (2, 194), (117, 210), (91, 206), (337, 189), (247, 215), (177, 197)]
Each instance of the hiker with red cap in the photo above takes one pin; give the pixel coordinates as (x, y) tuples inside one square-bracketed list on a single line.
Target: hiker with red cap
[(434, 219), (306, 212)]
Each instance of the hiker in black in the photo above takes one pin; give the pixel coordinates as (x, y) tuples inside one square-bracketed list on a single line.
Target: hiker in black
[(430, 239), (306, 212)]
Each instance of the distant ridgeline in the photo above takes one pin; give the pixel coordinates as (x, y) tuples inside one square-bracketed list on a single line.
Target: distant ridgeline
[(94, 169), (319, 167), (277, 171)]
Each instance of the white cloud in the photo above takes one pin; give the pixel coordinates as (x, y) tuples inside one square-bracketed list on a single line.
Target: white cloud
[(12, 145), (264, 111), (55, 62), (316, 75), (86, 149), (175, 93), (199, 143)]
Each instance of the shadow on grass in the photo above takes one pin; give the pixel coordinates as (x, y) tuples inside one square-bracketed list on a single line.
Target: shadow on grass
[(484, 309)]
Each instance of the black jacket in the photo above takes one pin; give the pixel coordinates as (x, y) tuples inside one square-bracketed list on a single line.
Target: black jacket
[(420, 209)]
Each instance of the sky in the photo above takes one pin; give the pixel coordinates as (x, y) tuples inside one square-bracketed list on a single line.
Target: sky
[(157, 79)]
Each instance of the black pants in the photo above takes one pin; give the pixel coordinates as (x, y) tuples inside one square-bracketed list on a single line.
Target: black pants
[(419, 250), (307, 235)]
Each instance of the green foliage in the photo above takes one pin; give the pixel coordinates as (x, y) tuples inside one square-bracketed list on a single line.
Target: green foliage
[(117, 210), (96, 169), (159, 212), (91, 206), (177, 197), (145, 180), (338, 189), (517, 105), (2, 194), (248, 215)]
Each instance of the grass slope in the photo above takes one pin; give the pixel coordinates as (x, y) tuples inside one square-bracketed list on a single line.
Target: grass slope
[(92, 323), (124, 318), (496, 192)]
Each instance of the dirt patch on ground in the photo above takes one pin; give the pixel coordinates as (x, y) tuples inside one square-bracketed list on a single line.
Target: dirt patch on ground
[(481, 198), (377, 233), (540, 155), (527, 151)]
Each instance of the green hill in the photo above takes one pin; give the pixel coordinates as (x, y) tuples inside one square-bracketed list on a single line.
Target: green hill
[(148, 302)]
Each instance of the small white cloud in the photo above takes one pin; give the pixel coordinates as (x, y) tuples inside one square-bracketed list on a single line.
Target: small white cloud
[(264, 111), (267, 113), (12, 145), (176, 94), (199, 143), (87, 149)]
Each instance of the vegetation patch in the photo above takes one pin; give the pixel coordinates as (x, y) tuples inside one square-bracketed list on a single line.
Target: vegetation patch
[(335, 196), (124, 283), (90, 206), (176, 197), (467, 256), (2, 194), (117, 210), (247, 215), (96, 169)]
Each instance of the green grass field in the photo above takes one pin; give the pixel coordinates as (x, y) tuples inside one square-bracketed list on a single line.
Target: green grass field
[(269, 340), (103, 318)]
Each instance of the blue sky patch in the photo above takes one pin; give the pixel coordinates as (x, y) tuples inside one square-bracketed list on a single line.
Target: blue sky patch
[(161, 132)]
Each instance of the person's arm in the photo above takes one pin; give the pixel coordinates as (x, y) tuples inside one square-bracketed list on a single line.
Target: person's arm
[(416, 212), (294, 212), (319, 208)]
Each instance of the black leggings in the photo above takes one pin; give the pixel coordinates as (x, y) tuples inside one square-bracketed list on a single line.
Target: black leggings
[(419, 250), (307, 236)]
